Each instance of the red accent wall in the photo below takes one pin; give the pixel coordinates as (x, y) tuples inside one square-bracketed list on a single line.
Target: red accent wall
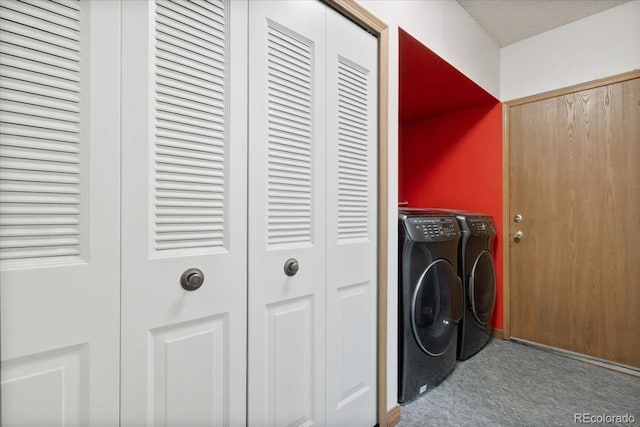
[(450, 142), (455, 161)]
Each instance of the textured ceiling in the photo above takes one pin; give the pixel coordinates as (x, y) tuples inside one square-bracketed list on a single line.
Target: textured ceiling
[(509, 21)]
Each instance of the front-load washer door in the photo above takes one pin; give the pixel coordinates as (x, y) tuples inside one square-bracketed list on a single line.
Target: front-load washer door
[(482, 287), (436, 307)]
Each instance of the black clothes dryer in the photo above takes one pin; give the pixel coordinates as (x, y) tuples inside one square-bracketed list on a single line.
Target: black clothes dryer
[(430, 300), (478, 274)]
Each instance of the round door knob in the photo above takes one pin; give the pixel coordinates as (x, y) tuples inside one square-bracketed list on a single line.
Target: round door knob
[(291, 267), (192, 279), (518, 235)]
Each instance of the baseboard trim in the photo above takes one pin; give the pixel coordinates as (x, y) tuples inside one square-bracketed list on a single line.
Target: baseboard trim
[(497, 333), (393, 416), (608, 364)]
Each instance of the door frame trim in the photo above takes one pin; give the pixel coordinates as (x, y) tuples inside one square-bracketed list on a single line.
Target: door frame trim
[(361, 16), (506, 175), (617, 78)]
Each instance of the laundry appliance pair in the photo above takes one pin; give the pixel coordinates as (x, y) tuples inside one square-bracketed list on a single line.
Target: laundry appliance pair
[(441, 318)]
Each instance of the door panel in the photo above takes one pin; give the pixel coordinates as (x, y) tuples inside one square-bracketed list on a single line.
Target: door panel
[(59, 210), (55, 381), (184, 206), (290, 350), (575, 168), (176, 358), (351, 71), (286, 212)]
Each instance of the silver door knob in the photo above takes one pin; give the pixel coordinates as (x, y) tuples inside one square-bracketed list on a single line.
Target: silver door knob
[(517, 218), (192, 279), (291, 267), (518, 235)]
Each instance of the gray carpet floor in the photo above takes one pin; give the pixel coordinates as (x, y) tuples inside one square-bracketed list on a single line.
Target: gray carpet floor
[(511, 384)]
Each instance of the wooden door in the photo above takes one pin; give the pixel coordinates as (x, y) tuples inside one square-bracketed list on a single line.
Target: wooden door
[(575, 179), (351, 73), (184, 206), (286, 213), (60, 212)]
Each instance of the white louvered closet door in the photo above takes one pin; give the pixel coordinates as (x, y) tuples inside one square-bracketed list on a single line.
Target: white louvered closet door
[(286, 213), (352, 137), (184, 206), (59, 212)]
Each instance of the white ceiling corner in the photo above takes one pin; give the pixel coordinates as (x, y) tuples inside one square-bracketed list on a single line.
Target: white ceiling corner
[(509, 21)]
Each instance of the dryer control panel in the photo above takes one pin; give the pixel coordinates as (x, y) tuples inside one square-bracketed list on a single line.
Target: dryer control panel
[(481, 225), (432, 228)]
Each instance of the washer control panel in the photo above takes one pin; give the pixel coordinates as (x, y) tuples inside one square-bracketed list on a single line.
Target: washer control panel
[(481, 225), (432, 228)]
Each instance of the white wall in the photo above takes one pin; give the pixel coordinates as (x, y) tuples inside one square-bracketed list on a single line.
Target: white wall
[(447, 29), (598, 46)]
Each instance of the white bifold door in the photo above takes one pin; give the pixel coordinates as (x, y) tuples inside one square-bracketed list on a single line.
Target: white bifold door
[(312, 217), (134, 212), (184, 213), (59, 212), (351, 218)]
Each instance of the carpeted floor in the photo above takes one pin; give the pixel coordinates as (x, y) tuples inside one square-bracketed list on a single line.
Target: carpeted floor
[(511, 384)]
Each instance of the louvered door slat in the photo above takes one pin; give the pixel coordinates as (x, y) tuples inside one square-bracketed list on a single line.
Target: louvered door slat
[(283, 96), (188, 84), (35, 100), (175, 105), (353, 161), (28, 53), (190, 69), (190, 123), (289, 110), (176, 33), (41, 135), (39, 87), (212, 10), (191, 60), (26, 33), (167, 96), (68, 9), (25, 188), (32, 15), (38, 111), (169, 32), (187, 13)]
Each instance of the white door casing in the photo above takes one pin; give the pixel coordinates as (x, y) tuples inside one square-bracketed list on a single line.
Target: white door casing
[(184, 205), (60, 212), (351, 288), (286, 333)]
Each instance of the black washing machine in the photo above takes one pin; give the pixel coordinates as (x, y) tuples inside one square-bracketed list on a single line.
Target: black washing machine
[(430, 300), (478, 274)]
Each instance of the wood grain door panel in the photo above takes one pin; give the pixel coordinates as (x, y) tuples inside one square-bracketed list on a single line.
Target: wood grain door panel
[(575, 179)]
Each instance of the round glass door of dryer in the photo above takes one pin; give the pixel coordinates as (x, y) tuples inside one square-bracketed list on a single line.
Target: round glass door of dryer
[(436, 308), (482, 287)]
